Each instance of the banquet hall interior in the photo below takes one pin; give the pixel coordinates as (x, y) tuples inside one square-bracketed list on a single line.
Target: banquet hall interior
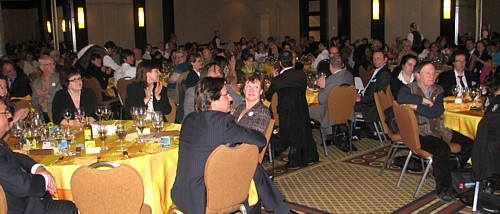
[(340, 182)]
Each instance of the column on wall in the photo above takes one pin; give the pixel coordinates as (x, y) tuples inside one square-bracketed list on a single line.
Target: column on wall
[(377, 20), (140, 23)]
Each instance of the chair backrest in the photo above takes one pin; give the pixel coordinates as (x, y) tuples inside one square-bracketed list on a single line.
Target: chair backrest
[(382, 103), (269, 132), (341, 102), (407, 124), (237, 166), (171, 116), (121, 87), (178, 87), (19, 104), (116, 190), (365, 75), (93, 83), (388, 93), (274, 109), (3, 201)]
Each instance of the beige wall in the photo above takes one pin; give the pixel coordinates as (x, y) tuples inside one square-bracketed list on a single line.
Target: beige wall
[(235, 19), (333, 28), (490, 14), (20, 25), (360, 19), (154, 21), (110, 20)]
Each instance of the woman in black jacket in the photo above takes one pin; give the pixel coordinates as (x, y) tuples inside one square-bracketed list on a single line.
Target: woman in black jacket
[(147, 90)]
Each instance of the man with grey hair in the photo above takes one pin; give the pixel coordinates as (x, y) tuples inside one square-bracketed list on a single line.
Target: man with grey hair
[(338, 77), (45, 86)]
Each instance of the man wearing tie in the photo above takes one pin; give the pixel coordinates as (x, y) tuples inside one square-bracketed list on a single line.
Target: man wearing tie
[(458, 76)]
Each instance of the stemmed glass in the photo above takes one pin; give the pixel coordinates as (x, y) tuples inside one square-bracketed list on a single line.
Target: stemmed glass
[(102, 130), (57, 134), (80, 117), (67, 114), (141, 112), (69, 136), (473, 94), (158, 121), (121, 131), (133, 112), (99, 110), (18, 130), (140, 124)]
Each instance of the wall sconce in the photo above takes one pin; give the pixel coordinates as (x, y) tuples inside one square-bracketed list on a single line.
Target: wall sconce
[(81, 18), (140, 12), (63, 25), (376, 10), (49, 27), (446, 9)]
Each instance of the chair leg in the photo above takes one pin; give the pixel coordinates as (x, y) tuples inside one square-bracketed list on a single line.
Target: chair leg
[(349, 133), (379, 135), (424, 176), (323, 139), (388, 158), (382, 128), (404, 168)]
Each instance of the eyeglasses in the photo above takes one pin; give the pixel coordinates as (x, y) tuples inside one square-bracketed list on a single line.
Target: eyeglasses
[(460, 61), (224, 95), (49, 64), (79, 79), (6, 112)]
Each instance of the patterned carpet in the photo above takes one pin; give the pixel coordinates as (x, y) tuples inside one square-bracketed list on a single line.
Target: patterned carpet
[(336, 185)]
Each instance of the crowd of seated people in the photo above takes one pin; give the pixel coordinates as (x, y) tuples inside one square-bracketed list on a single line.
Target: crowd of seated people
[(52, 77)]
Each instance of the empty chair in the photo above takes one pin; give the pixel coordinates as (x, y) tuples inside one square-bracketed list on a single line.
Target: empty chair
[(116, 190), (93, 83), (121, 87), (172, 115), (269, 132), (382, 103), (237, 166)]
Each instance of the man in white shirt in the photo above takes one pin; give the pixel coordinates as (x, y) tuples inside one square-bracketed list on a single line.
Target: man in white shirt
[(323, 49), (458, 77), (107, 61), (147, 52), (127, 70)]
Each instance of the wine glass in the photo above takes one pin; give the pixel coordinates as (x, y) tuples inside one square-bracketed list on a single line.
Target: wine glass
[(18, 130), (57, 133), (158, 121), (69, 136), (141, 112), (455, 90), (465, 92), (140, 124), (102, 130), (80, 117), (121, 131), (133, 112), (67, 114), (473, 94), (99, 111)]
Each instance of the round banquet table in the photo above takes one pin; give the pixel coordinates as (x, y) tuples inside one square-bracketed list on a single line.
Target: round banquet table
[(156, 165)]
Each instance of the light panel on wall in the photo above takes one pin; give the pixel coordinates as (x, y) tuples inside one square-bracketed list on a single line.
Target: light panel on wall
[(376, 10), (140, 13), (81, 18), (49, 27), (446, 9), (63, 25)]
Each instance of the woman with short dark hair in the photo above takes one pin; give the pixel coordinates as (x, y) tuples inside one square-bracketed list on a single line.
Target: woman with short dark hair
[(73, 96)]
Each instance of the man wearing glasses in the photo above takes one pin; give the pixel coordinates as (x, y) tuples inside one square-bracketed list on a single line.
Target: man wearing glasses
[(45, 86), (458, 76), (28, 186)]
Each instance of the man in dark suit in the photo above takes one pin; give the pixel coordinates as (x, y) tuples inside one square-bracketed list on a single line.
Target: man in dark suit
[(295, 127), (339, 77), (28, 186), (458, 76), (380, 80), (17, 82), (204, 130)]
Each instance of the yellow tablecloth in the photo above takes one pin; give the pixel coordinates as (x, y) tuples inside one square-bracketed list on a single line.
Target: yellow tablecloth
[(460, 118), (157, 167)]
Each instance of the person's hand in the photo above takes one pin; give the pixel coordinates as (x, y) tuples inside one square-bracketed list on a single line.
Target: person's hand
[(320, 82), (412, 106), (51, 181), (42, 92), (428, 102), (157, 91), (20, 114)]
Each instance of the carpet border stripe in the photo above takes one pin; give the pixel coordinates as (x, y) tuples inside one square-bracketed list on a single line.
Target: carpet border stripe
[(414, 205), (309, 209)]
